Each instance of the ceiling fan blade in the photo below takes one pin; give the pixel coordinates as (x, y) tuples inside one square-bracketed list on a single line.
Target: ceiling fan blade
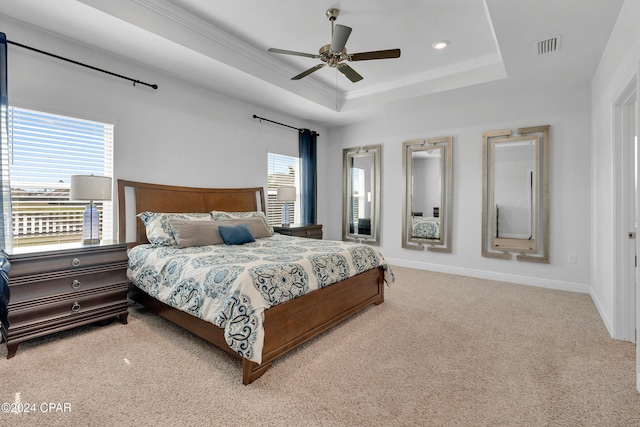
[(291, 52), (307, 72), (340, 36), (349, 73), (377, 54)]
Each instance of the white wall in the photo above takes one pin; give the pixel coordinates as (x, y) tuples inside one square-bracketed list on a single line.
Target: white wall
[(184, 135), (179, 134), (618, 66), (465, 114)]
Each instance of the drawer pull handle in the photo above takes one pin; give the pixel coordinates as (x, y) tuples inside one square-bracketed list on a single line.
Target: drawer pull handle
[(76, 262), (75, 307), (75, 284)]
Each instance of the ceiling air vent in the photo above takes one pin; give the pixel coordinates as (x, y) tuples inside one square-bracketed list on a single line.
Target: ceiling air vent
[(549, 45)]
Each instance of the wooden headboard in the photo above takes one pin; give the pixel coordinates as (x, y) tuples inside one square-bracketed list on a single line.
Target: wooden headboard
[(135, 197)]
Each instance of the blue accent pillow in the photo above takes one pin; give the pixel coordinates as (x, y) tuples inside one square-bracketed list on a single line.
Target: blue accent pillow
[(236, 234)]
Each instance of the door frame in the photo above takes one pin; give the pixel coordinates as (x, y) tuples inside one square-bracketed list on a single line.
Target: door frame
[(625, 310), (637, 142)]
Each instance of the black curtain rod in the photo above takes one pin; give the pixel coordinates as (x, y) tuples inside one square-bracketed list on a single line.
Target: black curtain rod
[(135, 81), (281, 124)]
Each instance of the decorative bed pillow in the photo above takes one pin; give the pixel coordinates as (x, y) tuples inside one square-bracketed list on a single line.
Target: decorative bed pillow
[(220, 216), (256, 225), (189, 234), (203, 233), (159, 232), (236, 234)]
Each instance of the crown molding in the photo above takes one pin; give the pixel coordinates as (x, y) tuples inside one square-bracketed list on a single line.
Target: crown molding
[(210, 32)]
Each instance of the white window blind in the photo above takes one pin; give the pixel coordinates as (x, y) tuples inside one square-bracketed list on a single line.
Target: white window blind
[(283, 171), (44, 151), (357, 189)]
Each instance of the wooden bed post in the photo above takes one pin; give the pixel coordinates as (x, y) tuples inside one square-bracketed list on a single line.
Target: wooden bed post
[(251, 371)]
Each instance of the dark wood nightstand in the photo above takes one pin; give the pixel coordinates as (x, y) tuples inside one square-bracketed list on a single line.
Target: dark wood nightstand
[(312, 231), (57, 287)]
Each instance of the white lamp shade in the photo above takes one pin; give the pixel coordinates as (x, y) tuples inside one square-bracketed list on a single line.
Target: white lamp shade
[(286, 194), (90, 187)]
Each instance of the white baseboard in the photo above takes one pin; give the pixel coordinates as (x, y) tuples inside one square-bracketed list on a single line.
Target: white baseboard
[(492, 275), (608, 323)]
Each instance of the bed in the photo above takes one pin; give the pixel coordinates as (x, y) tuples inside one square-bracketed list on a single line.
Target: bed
[(291, 321), (425, 227)]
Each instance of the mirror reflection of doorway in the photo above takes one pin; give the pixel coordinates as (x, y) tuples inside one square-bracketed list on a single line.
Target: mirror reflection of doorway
[(515, 189), (515, 194)]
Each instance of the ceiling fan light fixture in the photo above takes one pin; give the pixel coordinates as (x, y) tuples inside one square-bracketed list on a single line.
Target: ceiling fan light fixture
[(440, 44), (335, 53)]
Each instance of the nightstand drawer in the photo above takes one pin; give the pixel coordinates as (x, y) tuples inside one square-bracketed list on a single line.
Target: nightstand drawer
[(48, 262), (30, 315), (311, 231), (313, 234), (63, 283)]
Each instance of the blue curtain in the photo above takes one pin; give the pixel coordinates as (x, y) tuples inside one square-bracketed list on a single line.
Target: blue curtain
[(5, 189), (308, 175)]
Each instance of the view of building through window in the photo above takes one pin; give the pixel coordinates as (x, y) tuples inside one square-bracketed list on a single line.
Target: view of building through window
[(283, 171), (44, 151)]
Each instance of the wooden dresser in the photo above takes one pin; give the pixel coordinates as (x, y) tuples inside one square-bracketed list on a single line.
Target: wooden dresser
[(53, 288), (312, 231)]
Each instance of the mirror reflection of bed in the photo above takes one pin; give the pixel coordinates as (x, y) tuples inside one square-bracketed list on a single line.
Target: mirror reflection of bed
[(425, 227)]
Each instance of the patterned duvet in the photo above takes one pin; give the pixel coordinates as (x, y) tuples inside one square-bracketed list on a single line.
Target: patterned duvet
[(231, 286)]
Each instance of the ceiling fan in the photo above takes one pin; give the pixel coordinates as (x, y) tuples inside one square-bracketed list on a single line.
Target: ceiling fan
[(335, 53)]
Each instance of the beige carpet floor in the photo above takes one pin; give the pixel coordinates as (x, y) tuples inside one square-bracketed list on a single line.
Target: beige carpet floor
[(442, 350)]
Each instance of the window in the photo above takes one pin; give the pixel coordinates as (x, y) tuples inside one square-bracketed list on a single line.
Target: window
[(283, 172), (44, 151), (357, 183)]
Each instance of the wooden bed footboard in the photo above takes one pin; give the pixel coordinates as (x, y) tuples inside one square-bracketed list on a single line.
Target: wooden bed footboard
[(288, 325)]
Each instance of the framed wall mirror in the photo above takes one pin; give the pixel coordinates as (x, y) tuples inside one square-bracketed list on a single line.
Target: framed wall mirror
[(515, 214), (427, 166), (361, 194)]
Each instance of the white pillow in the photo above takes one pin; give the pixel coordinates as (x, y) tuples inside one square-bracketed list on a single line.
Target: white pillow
[(221, 216)]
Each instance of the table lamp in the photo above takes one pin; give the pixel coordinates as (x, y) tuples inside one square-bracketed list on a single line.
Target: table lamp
[(286, 195), (91, 188)]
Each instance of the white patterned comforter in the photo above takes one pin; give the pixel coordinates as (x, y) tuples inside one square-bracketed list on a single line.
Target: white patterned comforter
[(231, 286)]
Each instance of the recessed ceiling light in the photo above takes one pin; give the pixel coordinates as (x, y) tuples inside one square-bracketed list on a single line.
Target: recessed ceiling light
[(439, 45)]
